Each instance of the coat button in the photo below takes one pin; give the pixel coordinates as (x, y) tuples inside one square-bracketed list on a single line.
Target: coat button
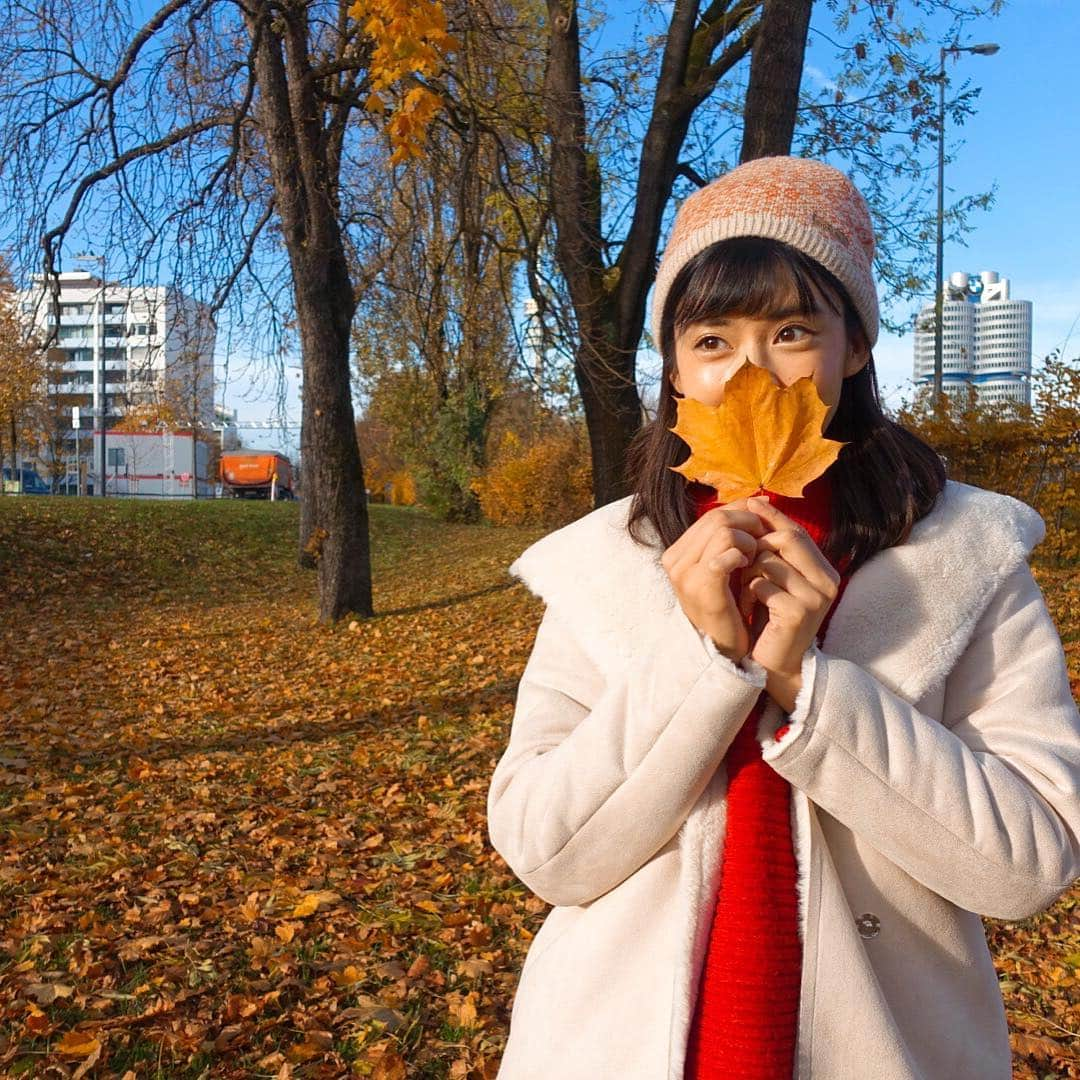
[(868, 925)]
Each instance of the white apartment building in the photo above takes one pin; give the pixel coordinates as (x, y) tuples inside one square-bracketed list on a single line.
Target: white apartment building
[(986, 339), (154, 344)]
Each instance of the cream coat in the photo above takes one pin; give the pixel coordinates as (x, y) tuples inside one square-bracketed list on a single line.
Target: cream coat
[(934, 759)]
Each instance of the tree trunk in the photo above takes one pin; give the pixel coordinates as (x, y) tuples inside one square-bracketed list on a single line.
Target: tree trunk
[(332, 467), (772, 96), (609, 302), (304, 192), (16, 476), (309, 506), (604, 371)]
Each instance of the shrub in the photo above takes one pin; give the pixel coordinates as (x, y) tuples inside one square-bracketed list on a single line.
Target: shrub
[(401, 489), (546, 482)]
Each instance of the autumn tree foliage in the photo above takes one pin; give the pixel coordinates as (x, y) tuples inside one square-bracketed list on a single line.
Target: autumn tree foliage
[(223, 141), (542, 481), (388, 477), (1031, 452), (409, 39), (435, 345), (22, 374), (146, 416)]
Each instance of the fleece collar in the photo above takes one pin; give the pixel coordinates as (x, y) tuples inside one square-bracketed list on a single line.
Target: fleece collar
[(905, 615)]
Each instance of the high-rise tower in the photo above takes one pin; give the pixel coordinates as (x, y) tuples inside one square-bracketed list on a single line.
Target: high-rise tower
[(986, 339)]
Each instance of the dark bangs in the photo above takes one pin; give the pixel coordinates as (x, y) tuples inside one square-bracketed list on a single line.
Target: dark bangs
[(884, 480), (740, 277)]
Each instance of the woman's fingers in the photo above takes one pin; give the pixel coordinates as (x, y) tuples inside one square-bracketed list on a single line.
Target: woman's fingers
[(796, 546), (693, 541), (771, 567), (726, 561), (732, 527), (804, 555)]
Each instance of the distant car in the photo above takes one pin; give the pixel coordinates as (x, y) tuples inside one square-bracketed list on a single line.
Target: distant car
[(32, 484)]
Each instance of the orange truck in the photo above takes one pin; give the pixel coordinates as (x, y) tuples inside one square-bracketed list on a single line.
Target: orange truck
[(256, 474)]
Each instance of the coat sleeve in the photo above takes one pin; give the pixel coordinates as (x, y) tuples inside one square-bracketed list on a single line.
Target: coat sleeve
[(982, 807), (598, 776)]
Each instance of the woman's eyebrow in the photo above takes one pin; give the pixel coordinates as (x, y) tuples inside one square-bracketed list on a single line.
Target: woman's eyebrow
[(785, 313)]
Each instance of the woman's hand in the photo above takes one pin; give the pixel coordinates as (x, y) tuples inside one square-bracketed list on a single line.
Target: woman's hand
[(797, 585), (700, 564)]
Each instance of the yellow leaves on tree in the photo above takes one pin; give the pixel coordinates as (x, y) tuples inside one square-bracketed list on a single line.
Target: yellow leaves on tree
[(21, 363), (146, 416), (548, 482), (761, 437), (409, 38), (1028, 451)]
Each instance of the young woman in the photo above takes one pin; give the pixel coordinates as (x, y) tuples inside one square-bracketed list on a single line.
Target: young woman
[(771, 760)]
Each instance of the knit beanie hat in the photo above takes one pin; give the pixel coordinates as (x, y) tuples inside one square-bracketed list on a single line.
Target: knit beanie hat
[(804, 203)]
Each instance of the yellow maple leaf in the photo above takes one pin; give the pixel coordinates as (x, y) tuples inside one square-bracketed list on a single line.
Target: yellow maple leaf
[(286, 931), (78, 1044), (308, 906), (761, 437)]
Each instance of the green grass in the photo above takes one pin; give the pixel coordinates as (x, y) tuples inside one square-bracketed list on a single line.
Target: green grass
[(205, 551)]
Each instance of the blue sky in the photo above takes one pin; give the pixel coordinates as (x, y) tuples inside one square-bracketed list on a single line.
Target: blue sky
[(1025, 135)]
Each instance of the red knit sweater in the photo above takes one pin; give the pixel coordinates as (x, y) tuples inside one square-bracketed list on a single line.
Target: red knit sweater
[(746, 1014)]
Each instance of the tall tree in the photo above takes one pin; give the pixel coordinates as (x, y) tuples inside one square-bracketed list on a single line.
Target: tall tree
[(878, 130), (218, 138), (772, 94), (435, 344)]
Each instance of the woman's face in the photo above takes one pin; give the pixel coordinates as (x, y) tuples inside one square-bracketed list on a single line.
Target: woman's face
[(787, 344)]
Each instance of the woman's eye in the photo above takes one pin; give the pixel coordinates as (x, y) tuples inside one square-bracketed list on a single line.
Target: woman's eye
[(789, 330), (705, 341)]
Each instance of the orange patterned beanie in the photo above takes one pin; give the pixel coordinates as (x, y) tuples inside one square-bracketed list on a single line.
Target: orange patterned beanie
[(804, 203)]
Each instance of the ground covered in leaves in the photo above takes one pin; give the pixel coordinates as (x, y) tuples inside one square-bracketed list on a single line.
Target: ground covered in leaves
[(235, 843)]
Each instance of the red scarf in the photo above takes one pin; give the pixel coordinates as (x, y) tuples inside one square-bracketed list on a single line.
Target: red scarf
[(746, 1014)]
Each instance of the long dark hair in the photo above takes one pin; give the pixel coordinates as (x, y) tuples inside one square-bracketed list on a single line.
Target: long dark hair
[(883, 481)]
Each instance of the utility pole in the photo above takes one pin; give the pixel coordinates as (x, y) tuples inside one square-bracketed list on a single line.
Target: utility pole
[(939, 298), (99, 365)]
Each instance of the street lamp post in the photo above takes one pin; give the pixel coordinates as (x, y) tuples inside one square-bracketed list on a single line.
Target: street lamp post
[(99, 346), (939, 300)]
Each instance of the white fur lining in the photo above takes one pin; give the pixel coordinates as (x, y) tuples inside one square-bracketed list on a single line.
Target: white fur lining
[(773, 718), (905, 616), (701, 842), (747, 668)]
